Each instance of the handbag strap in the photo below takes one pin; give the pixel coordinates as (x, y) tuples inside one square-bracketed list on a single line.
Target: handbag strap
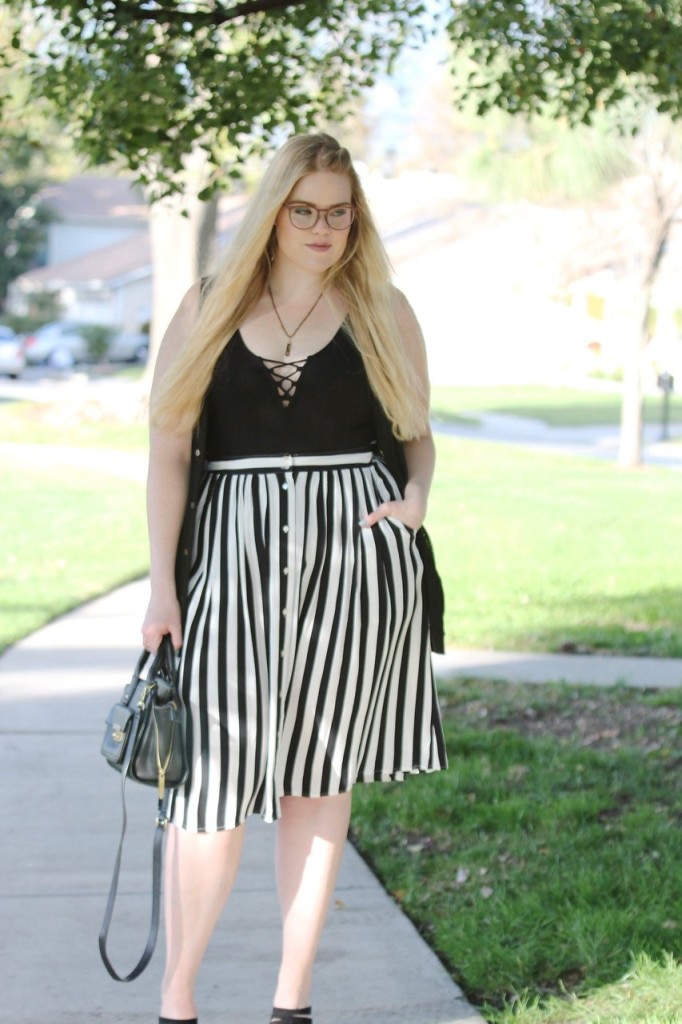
[(157, 860)]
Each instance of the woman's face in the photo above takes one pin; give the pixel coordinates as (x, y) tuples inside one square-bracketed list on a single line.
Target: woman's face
[(319, 246)]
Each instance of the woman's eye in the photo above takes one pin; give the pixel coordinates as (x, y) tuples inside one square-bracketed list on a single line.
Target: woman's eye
[(303, 211), (338, 211)]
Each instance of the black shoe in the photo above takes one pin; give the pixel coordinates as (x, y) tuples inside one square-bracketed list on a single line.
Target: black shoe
[(280, 1016), (172, 1020)]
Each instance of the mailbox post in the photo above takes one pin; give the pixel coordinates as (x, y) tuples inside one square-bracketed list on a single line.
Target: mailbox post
[(666, 383)]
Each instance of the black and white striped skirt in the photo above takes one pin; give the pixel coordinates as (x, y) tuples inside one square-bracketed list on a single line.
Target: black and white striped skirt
[(306, 664)]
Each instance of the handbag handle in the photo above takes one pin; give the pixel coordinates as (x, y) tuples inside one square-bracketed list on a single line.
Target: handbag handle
[(164, 663)]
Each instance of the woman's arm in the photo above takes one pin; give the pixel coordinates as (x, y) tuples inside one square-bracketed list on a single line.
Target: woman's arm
[(167, 484), (420, 454)]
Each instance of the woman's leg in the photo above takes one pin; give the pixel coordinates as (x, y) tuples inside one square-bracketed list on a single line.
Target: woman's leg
[(200, 871), (311, 836)]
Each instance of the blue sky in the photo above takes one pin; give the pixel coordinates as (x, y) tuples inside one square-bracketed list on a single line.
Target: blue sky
[(393, 105)]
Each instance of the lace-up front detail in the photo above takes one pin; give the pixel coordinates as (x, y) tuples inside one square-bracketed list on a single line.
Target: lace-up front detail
[(260, 406), (286, 377)]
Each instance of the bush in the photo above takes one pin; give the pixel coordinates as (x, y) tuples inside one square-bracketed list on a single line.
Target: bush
[(97, 338)]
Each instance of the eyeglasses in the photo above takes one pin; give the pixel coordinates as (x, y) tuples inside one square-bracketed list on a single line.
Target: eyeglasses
[(303, 216)]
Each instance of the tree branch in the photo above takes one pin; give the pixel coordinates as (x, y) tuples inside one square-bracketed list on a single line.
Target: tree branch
[(219, 16)]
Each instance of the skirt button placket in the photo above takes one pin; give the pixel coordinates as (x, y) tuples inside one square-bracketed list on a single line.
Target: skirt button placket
[(287, 463)]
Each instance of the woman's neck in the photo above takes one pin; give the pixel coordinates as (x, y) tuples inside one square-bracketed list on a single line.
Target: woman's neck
[(295, 284)]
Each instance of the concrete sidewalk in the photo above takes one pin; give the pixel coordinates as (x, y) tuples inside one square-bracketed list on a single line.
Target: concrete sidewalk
[(61, 815), (600, 442), (588, 669)]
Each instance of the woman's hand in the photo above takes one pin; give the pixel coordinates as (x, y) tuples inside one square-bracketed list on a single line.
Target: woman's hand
[(163, 616), (410, 511)]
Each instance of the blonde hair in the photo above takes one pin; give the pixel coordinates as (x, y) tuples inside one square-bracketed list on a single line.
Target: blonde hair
[(362, 277)]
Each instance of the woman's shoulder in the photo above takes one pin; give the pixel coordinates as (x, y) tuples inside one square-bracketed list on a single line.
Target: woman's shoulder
[(183, 321), (402, 310), (196, 291)]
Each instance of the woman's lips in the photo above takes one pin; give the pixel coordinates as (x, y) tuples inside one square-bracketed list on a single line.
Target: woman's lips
[(318, 246)]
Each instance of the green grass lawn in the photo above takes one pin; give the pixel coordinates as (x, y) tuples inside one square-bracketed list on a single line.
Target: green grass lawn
[(536, 552), (65, 536), (547, 856), (544, 553), (650, 992), (558, 407)]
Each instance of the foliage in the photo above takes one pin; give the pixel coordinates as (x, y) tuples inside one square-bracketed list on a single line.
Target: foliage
[(152, 85), (147, 85), (545, 158), (569, 56), (31, 151), (97, 338), (22, 230)]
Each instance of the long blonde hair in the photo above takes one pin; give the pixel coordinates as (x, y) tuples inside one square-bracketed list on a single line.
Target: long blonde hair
[(362, 277)]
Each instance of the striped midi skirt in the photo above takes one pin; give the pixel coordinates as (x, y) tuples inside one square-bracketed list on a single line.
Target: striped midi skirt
[(306, 664)]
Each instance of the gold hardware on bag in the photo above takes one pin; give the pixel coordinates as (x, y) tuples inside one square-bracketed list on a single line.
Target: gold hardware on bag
[(117, 734), (162, 767), (145, 693)]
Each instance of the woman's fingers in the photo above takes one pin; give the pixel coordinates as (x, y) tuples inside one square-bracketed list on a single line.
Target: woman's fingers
[(159, 620), (383, 510), (402, 510), (152, 637)]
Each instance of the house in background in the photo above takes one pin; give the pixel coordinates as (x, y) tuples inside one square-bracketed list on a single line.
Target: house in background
[(99, 264), (98, 255), (92, 212)]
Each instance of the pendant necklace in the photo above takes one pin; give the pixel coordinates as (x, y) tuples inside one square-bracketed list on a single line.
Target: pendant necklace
[(287, 350)]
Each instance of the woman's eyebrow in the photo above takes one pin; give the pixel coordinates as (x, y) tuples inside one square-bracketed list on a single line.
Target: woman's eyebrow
[(306, 202)]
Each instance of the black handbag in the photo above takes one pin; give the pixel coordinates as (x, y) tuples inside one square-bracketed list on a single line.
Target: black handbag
[(144, 740)]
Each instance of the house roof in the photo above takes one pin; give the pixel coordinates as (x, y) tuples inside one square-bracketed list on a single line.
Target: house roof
[(129, 258), (105, 266), (90, 197)]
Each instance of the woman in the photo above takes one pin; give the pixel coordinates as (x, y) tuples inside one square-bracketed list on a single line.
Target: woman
[(290, 464)]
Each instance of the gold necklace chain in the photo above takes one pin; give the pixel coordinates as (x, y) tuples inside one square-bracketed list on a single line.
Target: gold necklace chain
[(287, 350)]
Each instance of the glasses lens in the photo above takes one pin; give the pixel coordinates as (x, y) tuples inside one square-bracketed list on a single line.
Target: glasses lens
[(340, 217), (302, 216)]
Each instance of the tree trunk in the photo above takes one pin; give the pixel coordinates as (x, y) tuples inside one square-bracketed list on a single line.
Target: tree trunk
[(631, 414), (207, 235), (181, 229), (630, 453), (175, 247)]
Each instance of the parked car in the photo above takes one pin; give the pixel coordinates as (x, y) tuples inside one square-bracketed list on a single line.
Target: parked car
[(12, 358), (58, 344), (62, 344), (128, 348)]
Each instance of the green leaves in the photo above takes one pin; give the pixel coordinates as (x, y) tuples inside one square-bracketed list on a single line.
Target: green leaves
[(146, 85), (575, 56), (22, 230)]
